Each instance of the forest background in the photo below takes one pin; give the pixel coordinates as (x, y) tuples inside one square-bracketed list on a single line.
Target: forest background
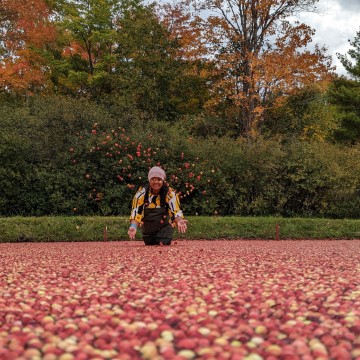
[(225, 95)]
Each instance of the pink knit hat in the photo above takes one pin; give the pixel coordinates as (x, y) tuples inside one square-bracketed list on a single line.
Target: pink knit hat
[(156, 172)]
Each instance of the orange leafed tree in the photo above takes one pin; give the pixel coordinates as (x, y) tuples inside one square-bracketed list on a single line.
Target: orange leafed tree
[(185, 29), (259, 51), (25, 30)]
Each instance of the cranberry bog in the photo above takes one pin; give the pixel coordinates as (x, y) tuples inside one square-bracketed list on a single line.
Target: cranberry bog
[(238, 299)]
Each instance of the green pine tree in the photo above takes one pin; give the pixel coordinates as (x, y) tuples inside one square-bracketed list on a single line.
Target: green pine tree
[(345, 95)]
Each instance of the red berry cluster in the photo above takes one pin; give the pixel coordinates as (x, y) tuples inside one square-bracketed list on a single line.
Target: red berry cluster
[(115, 156)]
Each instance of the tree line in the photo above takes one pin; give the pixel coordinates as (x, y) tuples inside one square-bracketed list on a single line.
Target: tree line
[(245, 119)]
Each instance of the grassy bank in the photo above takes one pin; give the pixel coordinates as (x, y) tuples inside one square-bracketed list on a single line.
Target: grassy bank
[(18, 229)]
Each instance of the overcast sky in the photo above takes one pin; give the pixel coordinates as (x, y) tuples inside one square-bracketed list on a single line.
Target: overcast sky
[(338, 21)]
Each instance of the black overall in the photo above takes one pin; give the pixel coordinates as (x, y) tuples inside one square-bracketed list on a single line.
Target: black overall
[(156, 228)]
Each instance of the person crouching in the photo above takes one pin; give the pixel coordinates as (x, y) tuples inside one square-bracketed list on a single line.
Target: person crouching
[(157, 208)]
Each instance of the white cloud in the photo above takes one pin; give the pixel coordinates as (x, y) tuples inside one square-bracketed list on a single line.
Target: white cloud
[(335, 24)]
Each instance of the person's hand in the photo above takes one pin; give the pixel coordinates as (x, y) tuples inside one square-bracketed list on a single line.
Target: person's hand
[(132, 232), (182, 226)]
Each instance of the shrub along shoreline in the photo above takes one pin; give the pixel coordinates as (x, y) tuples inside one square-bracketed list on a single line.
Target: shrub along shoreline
[(100, 228), (66, 157)]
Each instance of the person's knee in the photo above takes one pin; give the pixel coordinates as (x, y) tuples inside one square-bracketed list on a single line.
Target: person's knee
[(157, 239), (165, 242), (150, 242)]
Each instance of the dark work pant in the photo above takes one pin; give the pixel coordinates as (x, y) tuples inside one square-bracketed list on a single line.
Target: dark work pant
[(149, 240), (156, 229), (163, 236)]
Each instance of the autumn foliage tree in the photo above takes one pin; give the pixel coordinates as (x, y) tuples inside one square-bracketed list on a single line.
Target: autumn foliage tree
[(260, 55), (84, 58), (25, 32), (118, 52)]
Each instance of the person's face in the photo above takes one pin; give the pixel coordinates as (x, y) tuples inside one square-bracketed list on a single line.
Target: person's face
[(156, 183)]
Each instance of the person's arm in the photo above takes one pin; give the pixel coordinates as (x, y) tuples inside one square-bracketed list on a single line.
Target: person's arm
[(133, 229), (174, 206), (136, 213)]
